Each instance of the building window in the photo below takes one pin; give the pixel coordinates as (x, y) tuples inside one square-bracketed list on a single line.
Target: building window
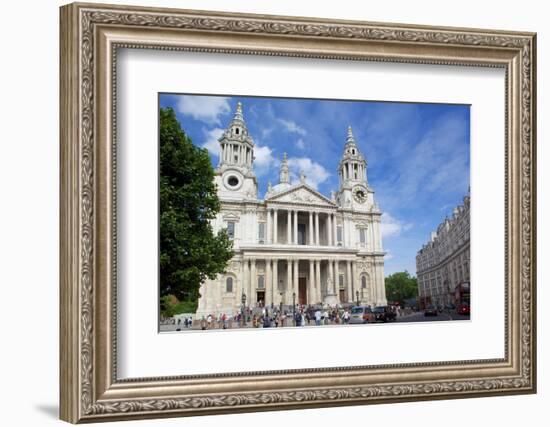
[(363, 236), (229, 284), (339, 234), (231, 229), (341, 281), (364, 282), (261, 231), (261, 282)]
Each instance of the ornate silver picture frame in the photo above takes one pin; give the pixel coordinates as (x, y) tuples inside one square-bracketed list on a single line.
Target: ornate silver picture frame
[(91, 36)]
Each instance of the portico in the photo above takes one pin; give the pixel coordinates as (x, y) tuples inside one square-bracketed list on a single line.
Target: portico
[(272, 280)]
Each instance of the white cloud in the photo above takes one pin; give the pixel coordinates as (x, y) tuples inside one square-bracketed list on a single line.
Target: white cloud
[(292, 127), (204, 108), (300, 144), (388, 255), (315, 173), (211, 140), (391, 226), (263, 159)]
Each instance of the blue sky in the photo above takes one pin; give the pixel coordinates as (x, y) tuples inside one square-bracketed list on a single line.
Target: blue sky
[(418, 155)]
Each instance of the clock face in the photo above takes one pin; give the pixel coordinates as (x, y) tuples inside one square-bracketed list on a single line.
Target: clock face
[(232, 180), (359, 194)]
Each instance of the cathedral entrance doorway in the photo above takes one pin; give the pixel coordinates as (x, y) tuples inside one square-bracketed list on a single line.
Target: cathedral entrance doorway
[(260, 298), (343, 295), (302, 291)]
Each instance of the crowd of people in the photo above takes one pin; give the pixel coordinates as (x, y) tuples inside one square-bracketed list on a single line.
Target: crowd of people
[(276, 317)]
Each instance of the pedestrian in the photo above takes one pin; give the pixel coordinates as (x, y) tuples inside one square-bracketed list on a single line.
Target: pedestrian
[(318, 317), (203, 323), (209, 321), (297, 318)]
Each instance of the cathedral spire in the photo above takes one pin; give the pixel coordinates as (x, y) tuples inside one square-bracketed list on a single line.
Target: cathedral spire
[(236, 144), (350, 139), (353, 166), (238, 118), (283, 172)]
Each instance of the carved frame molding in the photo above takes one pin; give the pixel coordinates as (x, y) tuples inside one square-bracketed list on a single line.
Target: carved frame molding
[(90, 36)]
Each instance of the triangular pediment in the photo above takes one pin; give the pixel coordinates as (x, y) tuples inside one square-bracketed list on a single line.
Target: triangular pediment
[(302, 194)]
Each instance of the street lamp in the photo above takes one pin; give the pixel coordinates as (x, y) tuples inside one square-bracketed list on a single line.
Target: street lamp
[(294, 307), (281, 303), (357, 296), (243, 300)]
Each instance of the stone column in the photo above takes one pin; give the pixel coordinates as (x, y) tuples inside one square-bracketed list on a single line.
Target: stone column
[(275, 215), (355, 279), (317, 228), (296, 268), (251, 297), (288, 292), (348, 280), (289, 227), (268, 231), (310, 229), (311, 280), (295, 240), (238, 286), (275, 283), (335, 230), (318, 293), (328, 230), (337, 280), (330, 274), (268, 284), (246, 284)]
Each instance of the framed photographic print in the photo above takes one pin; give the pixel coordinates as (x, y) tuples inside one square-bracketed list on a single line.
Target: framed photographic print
[(266, 212)]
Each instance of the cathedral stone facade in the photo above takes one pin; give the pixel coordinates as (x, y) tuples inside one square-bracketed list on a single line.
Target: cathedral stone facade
[(296, 245)]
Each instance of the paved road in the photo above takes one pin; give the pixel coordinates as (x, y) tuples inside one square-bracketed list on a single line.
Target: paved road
[(415, 317), (419, 317)]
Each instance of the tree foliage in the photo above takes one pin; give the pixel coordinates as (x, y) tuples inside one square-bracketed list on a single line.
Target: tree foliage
[(401, 286), (190, 251)]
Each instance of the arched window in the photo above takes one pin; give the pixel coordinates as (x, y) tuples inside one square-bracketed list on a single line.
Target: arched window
[(229, 284), (237, 131), (364, 282)]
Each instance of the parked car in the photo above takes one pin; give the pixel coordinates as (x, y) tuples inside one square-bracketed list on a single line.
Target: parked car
[(463, 309), (384, 313), (430, 310), (361, 314)]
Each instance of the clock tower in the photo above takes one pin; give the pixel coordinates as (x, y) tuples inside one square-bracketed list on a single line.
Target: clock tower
[(234, 175), (354, 192)]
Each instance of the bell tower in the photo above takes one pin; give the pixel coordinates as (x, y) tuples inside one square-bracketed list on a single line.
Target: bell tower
[(235, 175), (354, 191)]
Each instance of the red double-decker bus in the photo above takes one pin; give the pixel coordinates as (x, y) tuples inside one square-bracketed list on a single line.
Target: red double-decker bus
[(462, 298)]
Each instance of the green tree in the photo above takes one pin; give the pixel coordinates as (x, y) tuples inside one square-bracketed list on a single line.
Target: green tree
[(401, 286), (190, 251)]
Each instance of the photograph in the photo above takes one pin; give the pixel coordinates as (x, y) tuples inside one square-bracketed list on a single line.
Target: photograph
[(288, 212)]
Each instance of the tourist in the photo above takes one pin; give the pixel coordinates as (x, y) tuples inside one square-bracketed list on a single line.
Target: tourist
[(318, 317)]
